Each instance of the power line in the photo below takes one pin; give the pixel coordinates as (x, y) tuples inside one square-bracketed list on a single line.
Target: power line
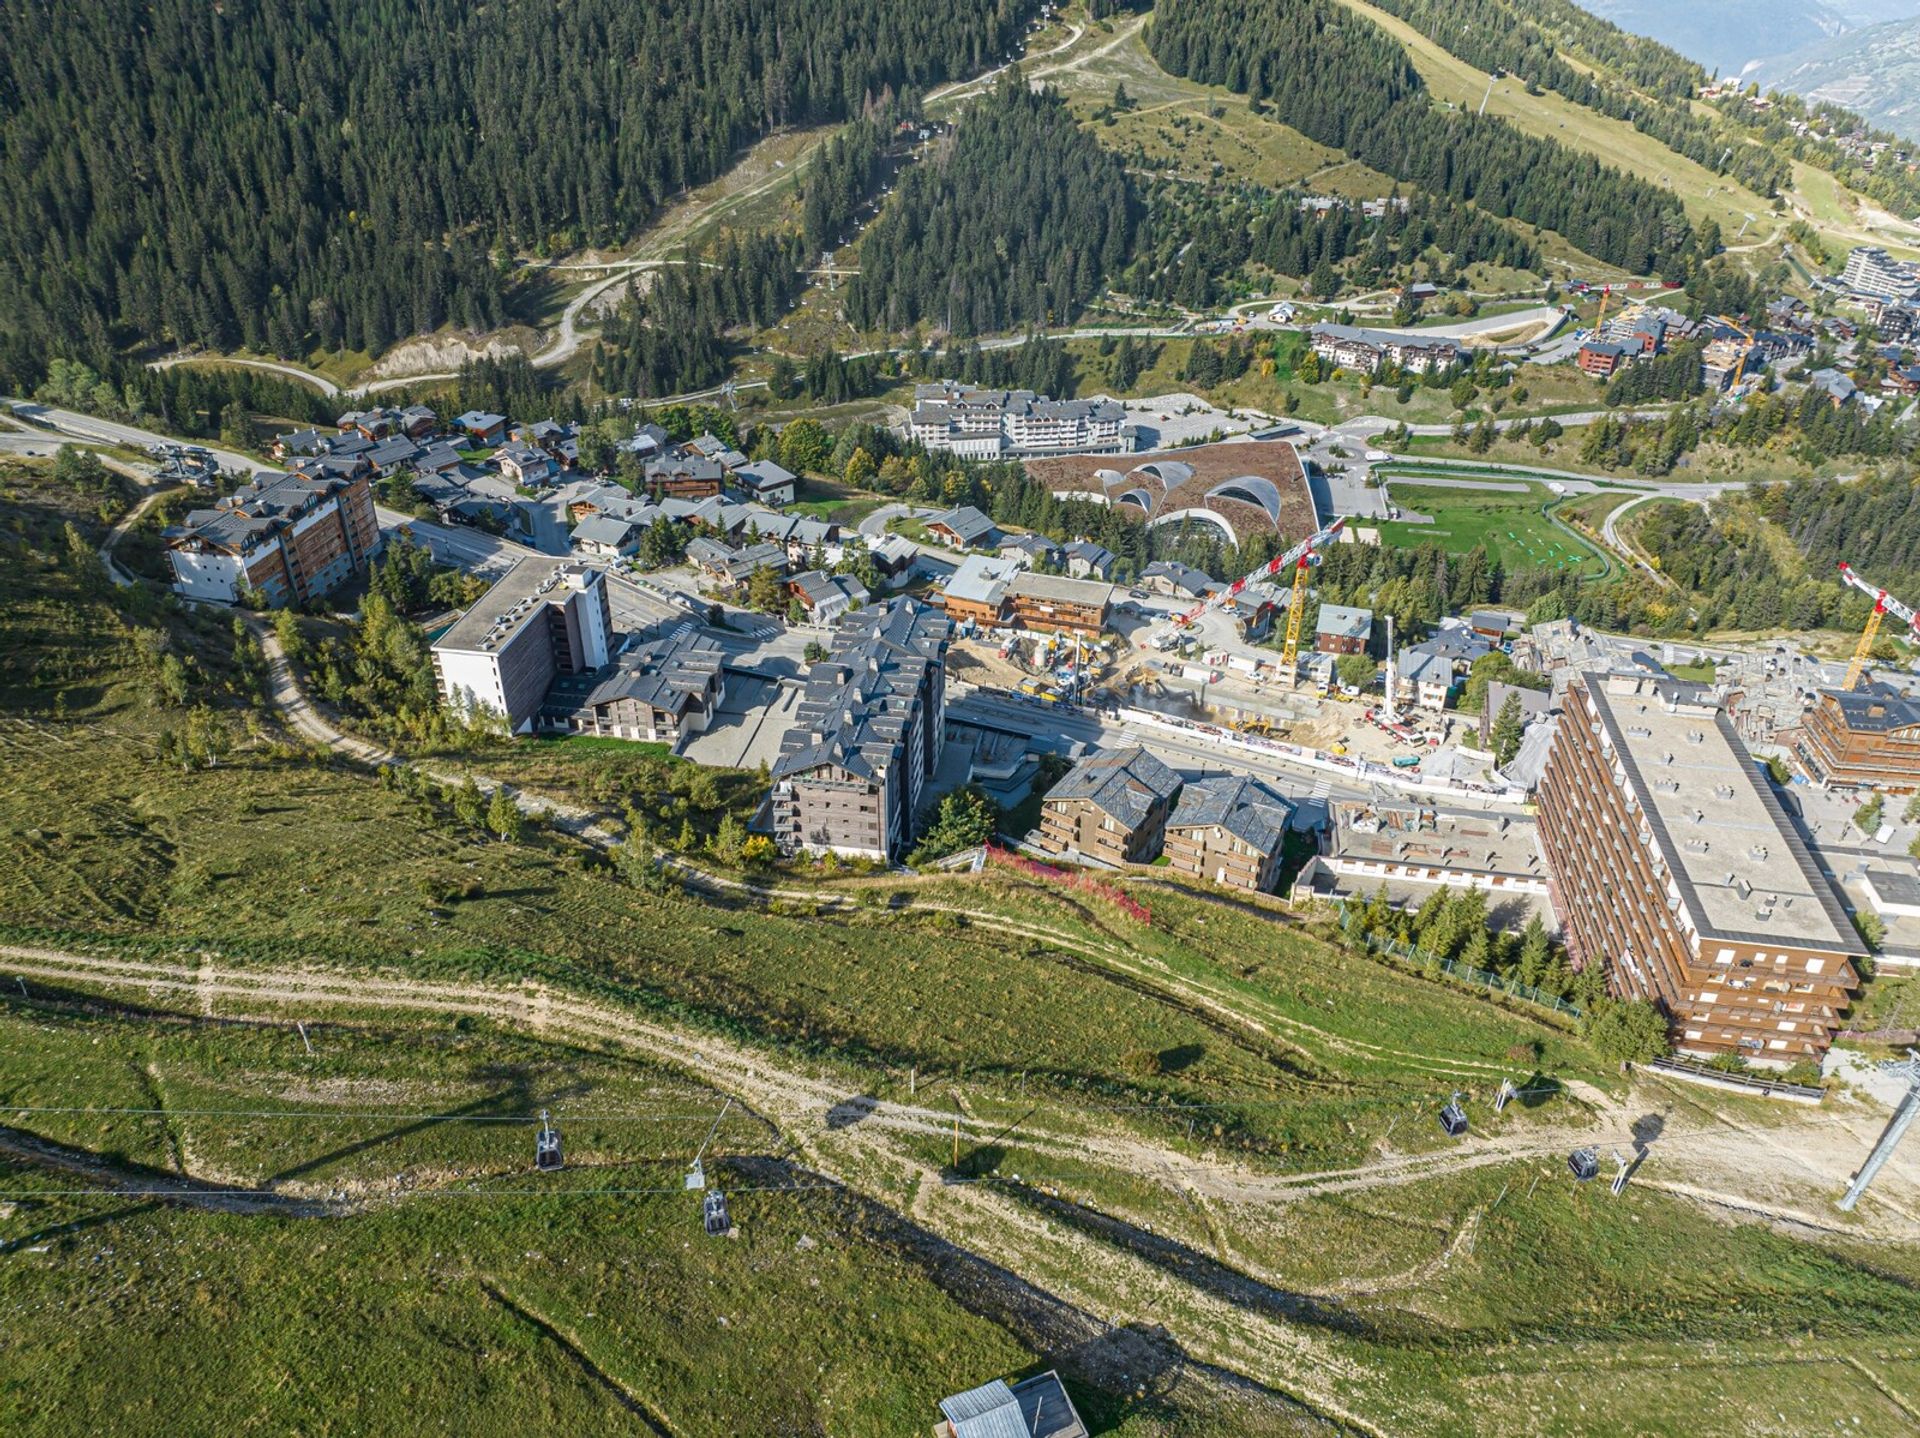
[(357, 1114)]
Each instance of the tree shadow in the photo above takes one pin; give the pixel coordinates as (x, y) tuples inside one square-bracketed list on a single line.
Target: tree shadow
[(1181, 1057)]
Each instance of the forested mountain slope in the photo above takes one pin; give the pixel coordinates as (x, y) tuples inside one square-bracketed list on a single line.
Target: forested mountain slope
[(1018, 224), (1343, 81), (281, 173)]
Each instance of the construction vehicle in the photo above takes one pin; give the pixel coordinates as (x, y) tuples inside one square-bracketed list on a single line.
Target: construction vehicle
[(1883, 605)]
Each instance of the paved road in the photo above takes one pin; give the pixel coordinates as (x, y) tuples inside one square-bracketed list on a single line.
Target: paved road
[(106, 431)]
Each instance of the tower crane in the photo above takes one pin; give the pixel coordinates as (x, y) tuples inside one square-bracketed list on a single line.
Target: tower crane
[(1301, 556), (1883, 605)]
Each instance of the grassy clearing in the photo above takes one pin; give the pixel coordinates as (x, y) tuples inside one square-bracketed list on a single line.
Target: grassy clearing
[(145, 1318), (1553, 117), (1511, 526), (1451, 1300)]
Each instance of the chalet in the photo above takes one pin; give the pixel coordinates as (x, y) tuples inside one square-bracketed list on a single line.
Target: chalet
[(1110, 808), (1838, 388), (606, 537), (298, 442), (687, 477), (526, 464), (436, 459), (1030, 549), (1231, 830), (369, 424), (893, 558), (1491, 625), (963, 528), (1860, 738), (1342, 629), (417, 421), (766, 482), (1534, 704), (1087, 560), (977, 591), (392, 454), (825, 597), (1422, 677), (482, 428), (1171, 579), (663, 688)]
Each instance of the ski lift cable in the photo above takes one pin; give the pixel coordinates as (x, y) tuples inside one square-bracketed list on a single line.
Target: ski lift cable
[(371, 1115), (271, 1195)]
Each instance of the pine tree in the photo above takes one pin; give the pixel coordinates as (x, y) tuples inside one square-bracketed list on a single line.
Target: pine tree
[(1507, 731)]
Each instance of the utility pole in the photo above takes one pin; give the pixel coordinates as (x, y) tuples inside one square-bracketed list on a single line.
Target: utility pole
[(1907, 1068)]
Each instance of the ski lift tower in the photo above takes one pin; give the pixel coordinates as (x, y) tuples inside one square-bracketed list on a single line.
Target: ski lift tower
[(1907, 1068)]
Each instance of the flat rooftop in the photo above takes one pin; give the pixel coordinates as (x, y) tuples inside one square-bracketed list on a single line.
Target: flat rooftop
[(1462, 840), (527, 580), (1743, 870)]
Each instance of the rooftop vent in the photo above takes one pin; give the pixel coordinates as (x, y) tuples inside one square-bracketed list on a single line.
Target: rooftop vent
[(1694, 736), (1639, 731), (1758, 853)]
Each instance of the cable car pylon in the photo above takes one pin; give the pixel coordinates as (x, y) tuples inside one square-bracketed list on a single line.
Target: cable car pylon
[(1907, 1068)]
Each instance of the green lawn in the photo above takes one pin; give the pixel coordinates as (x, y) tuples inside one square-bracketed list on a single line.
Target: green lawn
[(1223, 1126), (1511, 526)]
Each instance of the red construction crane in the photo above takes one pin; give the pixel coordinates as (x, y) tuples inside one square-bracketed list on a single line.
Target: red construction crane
[(1301, 555), (1883, 605)]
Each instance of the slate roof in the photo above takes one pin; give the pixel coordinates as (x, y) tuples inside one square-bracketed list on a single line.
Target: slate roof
[(965, 521), (1245, 808), (1123, 783), (1876, 709)]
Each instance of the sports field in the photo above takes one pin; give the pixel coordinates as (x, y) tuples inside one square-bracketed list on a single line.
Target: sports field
[(1511, 525)]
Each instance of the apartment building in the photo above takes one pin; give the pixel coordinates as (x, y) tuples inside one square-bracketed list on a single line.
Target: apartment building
[(1111, 808), (1861, 738), (1673, 865), (866, 737), (1052, 604), (1231, 830), (1366, 350), (1412, 849), (990, 423), (662, 688), (1874, 273), (543, 620), (289, 538)]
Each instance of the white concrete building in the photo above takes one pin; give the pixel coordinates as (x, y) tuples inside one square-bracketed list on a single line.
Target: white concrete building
[(542, 620)]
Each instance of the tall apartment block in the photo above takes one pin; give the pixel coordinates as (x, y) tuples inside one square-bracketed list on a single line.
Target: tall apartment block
[(545, 618), (867, 735), (1674, 866), (286, 537)]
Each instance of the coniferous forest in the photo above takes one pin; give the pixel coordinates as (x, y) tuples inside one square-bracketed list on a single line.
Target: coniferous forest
[(281, 174), (1347, 83), (1018, 222)]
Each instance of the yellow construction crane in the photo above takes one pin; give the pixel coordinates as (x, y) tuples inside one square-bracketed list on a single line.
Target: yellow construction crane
[(1883, 604), (1296, 606)]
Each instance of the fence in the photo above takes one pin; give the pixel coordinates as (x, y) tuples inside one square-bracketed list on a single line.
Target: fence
[(1085, 883), (1426, 958), (1757, 1084)]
